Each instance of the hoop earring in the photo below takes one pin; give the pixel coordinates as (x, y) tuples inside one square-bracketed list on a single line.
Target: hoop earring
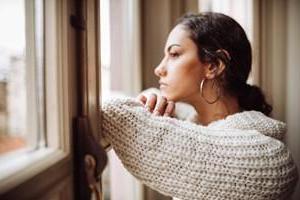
[(202, 94)]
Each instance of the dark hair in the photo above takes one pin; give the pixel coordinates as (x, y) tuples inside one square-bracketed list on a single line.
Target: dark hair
[(220, 38)]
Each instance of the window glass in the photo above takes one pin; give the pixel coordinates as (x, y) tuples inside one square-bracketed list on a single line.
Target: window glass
[(21, 76)]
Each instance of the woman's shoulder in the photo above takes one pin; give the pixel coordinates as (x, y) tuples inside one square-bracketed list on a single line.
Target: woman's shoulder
[(252, 120)]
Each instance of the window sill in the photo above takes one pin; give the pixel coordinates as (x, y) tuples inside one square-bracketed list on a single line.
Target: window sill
[(27, 164)]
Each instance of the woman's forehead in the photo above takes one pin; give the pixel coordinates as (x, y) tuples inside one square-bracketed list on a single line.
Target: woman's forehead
[(180, 36)]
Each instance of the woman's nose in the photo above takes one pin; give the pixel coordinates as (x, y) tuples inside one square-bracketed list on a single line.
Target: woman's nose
[(160, 70)]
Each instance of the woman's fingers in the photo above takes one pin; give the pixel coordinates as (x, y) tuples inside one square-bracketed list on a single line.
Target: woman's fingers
[(151, 102), (142, 99), (170, 108), (160, 106)]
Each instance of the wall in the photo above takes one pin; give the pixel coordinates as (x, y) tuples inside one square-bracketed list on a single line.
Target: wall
[(158, 18), (292, 83)]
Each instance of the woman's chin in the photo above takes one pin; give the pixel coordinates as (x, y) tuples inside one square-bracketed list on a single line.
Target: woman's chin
[(164, 93)]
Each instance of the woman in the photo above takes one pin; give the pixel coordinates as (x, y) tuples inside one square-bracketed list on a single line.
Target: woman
[(233, 151)]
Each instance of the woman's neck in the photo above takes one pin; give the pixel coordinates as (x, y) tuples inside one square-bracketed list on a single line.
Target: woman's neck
[(208, 113)]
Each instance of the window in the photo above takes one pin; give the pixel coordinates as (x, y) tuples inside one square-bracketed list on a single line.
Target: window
[(34, 108), (21, 80)]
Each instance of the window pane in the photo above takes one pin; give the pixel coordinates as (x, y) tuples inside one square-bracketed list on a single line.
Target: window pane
[(21, 75)]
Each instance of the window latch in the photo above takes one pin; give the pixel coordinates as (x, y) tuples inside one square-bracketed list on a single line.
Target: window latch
[(90, 160)]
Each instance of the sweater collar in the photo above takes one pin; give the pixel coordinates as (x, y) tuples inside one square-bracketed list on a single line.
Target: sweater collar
[(252, 120)]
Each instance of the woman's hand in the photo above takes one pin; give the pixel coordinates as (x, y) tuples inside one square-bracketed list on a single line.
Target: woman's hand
[(158, 105)]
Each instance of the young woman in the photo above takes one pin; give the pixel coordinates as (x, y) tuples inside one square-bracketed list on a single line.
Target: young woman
[(233, 151)]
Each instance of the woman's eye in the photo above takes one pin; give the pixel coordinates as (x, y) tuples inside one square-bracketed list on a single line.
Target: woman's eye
[(174, 55)]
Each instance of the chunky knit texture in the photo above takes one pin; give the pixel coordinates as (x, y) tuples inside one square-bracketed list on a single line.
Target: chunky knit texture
[(239, 157)]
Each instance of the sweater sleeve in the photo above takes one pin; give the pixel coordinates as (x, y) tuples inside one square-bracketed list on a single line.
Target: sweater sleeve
[(189, 161)]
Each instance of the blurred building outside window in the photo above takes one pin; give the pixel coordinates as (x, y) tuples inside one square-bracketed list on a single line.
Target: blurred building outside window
[(21, 77)]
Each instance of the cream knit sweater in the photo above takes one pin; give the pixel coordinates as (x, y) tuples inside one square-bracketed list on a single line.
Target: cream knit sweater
[(240, 157)]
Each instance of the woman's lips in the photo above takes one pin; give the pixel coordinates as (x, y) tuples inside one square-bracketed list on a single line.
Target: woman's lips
[(162, 85)]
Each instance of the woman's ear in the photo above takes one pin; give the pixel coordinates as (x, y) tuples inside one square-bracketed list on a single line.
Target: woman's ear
[(214, 70)]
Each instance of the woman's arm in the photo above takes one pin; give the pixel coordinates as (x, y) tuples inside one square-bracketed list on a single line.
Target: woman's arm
[(189, 161)]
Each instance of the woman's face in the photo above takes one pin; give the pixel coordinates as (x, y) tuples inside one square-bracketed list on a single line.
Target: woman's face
[(180, 71)]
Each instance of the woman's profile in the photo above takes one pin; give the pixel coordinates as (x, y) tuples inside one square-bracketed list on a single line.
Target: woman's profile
[(231, 149)]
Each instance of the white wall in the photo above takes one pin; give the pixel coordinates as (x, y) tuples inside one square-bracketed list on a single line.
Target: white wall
[(293, 84)]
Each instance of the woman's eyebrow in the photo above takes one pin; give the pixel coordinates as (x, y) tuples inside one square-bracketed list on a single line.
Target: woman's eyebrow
[(169, 48)]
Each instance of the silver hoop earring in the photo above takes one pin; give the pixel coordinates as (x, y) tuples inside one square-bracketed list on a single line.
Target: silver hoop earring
[(202, 93)]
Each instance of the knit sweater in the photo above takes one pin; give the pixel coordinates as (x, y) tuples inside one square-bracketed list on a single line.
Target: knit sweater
[(239, 157)]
